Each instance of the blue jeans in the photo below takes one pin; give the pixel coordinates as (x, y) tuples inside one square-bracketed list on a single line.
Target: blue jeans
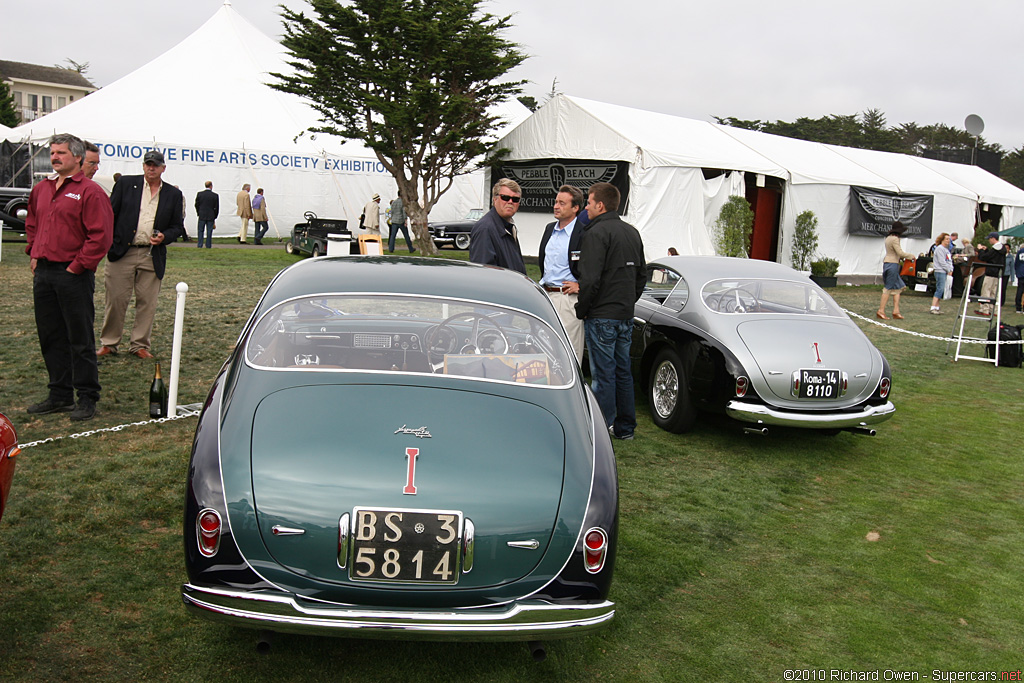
[(608, 344), (208, 227), (393, 233), (261, 229)]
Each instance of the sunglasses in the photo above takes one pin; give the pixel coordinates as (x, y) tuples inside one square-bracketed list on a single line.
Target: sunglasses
[(509, 198)]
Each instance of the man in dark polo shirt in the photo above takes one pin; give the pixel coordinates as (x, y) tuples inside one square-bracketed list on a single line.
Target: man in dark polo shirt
[(69, 229)]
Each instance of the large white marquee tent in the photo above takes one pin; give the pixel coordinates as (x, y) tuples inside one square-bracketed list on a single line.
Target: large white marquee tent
[(674, 201), (206, 105)]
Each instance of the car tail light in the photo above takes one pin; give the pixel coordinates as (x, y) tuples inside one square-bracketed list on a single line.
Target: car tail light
[(741, 386), (208, 530), (595, 543), (883, 387)]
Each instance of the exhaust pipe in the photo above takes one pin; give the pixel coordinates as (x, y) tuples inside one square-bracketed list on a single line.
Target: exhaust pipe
[(864, 431), (537, 650), (756, 430), (264, 641)]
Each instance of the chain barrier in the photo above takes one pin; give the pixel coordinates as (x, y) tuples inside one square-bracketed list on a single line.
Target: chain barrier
[(117, 428), (930, 336)]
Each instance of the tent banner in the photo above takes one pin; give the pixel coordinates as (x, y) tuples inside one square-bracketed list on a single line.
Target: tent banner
[(872, 212), (541, 178), (127, 151)]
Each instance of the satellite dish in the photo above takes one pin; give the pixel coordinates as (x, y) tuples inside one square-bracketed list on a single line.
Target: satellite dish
[(974, 125)]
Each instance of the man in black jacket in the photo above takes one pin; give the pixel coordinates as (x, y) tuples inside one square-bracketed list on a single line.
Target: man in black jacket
[(559, 258), (994, 254), (147, 216), (612, 274), (493, 240), (207, 208)]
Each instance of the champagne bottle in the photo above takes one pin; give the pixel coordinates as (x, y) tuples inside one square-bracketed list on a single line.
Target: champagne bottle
[(158, 396)]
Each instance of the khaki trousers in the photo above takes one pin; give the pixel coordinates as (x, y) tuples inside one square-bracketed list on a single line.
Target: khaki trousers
[(243, 232), (565, 306), (133, 272)]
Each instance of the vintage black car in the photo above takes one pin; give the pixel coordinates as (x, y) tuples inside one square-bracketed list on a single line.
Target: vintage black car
[(311, 237), (455, 233), (757, 341), (14, 208)]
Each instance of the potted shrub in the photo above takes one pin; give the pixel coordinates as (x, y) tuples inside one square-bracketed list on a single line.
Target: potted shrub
[(733, 227), (823, 271), (805, 241)]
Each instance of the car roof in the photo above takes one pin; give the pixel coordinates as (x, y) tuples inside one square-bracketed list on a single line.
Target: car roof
[(442, 278), (705, 268)]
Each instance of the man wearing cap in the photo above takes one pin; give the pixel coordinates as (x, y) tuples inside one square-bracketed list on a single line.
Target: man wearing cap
[(371, 215), (990, 285), (147, 217)]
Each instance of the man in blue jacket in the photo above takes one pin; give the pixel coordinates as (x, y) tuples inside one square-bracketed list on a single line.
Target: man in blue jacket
[(559, 258), (493, 240)]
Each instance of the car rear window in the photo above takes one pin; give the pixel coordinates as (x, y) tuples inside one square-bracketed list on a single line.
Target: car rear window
[(409, 334), (752, 295)]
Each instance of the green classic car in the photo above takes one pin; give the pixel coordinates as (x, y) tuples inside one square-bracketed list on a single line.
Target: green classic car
[(402, 447)]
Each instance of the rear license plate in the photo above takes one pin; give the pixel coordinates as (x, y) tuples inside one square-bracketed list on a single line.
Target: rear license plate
[(406, 546), (819, 384)]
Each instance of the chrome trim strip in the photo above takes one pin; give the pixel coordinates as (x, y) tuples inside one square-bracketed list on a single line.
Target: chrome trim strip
[(468, 545), (761, 414), (532, 544), (279, 530), (343, 536), (522, 620)]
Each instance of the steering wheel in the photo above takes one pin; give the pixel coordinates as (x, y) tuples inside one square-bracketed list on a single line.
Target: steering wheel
[(472, 346), (730, 300), (309, 216)]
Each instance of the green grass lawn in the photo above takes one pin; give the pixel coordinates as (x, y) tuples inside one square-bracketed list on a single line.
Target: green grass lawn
[(740, 557)]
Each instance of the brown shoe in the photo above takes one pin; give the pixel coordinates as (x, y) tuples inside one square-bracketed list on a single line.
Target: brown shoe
[(106, 351), (881, 316), (142, 353), (897, 316)]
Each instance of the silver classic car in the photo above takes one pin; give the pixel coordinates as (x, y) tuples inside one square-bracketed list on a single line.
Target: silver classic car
[(757, 341)]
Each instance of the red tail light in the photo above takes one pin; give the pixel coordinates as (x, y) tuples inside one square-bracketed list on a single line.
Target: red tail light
[(741, 387), (208, 530), (883, 387), (595, 543)]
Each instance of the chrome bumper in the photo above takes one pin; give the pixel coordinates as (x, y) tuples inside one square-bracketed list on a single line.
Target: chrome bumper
[(524, 620), (761, 414)]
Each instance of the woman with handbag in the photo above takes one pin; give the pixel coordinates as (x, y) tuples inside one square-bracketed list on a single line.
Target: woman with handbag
[(892, 283)]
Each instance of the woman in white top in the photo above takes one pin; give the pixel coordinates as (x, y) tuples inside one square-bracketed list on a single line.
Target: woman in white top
[(943, 269)]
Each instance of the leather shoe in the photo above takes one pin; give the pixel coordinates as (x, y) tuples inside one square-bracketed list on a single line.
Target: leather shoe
[(50, 405), (897, 316), (881, 316), (142, 353), (85, 410), (106, 351)]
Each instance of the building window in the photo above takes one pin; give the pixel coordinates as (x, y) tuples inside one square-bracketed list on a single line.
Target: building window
[(33, 102), (47, 104), (17, 98), (61, 102)]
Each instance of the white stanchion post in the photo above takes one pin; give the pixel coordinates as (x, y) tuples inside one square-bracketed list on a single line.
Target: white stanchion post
[(179, 323)]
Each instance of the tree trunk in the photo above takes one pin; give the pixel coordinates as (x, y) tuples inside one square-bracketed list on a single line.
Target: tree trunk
[(418, 226)]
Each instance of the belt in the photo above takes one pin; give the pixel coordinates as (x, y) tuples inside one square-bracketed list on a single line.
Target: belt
[(549, 288), (139, 246)]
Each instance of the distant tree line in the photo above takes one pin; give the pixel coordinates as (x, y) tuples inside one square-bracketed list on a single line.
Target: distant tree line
[(868, 130)]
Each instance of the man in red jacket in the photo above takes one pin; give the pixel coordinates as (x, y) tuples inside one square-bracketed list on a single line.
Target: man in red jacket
[(69, 229)]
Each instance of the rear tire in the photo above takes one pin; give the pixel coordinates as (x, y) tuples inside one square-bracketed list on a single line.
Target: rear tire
[(316, 250), (668, 393), (462, 240), (289, 248)]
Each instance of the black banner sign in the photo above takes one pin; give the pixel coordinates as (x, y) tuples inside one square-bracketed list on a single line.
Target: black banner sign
[(872, 212), (541, 178)]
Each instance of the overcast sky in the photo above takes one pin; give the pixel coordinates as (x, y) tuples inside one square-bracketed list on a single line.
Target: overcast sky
[(927, 62)]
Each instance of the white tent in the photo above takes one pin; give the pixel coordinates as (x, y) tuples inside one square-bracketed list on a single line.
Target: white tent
[(673, 203), (206, 105), (5, 132)]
